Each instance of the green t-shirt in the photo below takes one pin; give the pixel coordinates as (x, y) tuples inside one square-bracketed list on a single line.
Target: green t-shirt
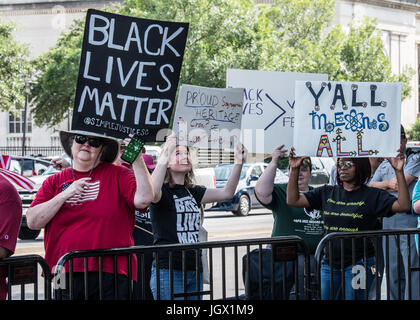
[(290, 221)]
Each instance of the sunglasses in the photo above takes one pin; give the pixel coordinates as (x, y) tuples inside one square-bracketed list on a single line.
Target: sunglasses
[(306, 163), (345, 164), (95, 143)]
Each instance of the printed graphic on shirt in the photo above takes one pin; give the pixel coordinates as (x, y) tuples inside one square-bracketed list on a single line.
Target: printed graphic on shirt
[(90, 193), (311, 226), (187, 218), (314, 214), (350, 211), (143, 217)]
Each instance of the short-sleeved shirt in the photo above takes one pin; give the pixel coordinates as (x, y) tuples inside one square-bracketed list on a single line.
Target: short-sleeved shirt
[(350, 211), (411, 166), (10, 220), (288, 220), (416, 197), (103, 219), (176, 219)]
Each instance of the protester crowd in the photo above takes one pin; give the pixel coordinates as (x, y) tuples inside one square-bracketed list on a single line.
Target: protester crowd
[(99, 201)]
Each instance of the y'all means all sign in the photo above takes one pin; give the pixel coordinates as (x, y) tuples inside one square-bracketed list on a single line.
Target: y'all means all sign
[(208, 117), (347, 119)]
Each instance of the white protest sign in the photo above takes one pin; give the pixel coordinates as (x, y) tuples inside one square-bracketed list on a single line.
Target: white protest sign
[(269, 103), (208, 117), (347, 119)]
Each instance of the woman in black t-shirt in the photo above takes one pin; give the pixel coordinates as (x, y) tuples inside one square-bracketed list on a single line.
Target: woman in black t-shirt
[(175, 215), (349, 206)]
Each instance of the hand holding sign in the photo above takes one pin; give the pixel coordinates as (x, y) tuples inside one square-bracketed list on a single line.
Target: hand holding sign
[(397, 163), (294, 162), (168, 148), (240, 153), (278, 153)]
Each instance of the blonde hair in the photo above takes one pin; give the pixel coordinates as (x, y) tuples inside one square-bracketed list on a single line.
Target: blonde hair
[(189, 178)]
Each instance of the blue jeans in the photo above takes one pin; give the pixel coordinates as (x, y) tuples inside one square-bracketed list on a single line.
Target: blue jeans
[(354, 282), (178, 287)]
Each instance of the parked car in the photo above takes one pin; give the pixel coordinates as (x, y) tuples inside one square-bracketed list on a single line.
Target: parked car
[(38, 170), (244, 199), (154, 151), (412, 147), (321, 169)]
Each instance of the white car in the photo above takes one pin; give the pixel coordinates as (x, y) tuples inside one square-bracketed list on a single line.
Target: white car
[(38, 170)]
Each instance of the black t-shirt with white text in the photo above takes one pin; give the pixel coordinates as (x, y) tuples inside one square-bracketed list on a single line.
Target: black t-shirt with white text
[(176, 219), (350, 211)]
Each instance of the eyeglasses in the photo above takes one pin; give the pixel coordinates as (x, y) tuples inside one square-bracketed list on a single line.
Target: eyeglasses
[(95, 143), (346, 164)]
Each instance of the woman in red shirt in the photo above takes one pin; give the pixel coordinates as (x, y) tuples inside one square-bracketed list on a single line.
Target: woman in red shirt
[(91, 206)]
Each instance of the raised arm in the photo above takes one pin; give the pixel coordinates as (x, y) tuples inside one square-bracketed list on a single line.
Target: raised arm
[(215, 195), (144, 192), (402, 204), (265, 184), (294, 198), (158, 175), (38, 216)]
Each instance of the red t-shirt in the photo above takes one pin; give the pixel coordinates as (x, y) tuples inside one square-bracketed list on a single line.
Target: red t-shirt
[(103, 217), (10, 219)]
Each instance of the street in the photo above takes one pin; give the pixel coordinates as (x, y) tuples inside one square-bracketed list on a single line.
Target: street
[(219, 225)]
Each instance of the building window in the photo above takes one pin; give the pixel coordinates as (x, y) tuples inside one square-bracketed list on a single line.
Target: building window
[(16, 122)]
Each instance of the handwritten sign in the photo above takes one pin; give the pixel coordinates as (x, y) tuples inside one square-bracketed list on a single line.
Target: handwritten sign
[(269, 104), (347, 119), (208, 117), (128, 76)]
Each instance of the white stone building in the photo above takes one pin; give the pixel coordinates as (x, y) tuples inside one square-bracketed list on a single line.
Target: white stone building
[(39, 23)]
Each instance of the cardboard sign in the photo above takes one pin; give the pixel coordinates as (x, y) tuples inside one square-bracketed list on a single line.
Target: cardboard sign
[(208, 117), (347, 119), (269, 104), (128, 76)]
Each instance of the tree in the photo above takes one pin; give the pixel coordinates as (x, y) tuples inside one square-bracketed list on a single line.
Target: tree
[(358, 55), (289, 35), (414, 133), (55, 89), (14, 68)]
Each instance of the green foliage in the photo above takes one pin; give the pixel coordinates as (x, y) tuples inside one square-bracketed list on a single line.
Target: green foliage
[(14, 68), (414, 133), (289, 35)]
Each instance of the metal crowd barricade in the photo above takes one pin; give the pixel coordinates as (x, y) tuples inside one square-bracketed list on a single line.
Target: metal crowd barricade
[(380, 240), (24, 273), (223, 261)]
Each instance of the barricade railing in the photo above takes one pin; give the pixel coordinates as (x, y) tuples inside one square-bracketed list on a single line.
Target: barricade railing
[(224, 268), (369, 269), (24, 277)]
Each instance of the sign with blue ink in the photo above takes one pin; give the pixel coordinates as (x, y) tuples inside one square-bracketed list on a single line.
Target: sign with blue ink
[(347, 119), (208, 118), (269, 106)]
